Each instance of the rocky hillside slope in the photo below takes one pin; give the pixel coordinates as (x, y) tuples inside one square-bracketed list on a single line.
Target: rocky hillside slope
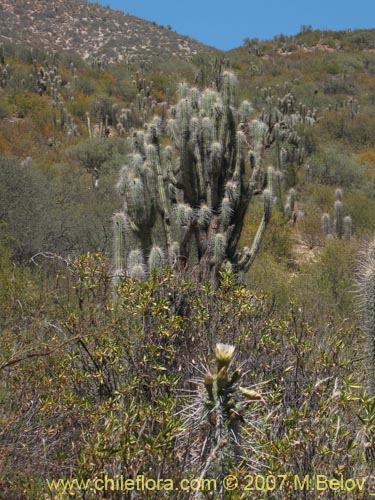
[(89, 30)]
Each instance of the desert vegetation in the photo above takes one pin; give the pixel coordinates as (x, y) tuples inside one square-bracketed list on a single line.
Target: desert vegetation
[(186, 275)]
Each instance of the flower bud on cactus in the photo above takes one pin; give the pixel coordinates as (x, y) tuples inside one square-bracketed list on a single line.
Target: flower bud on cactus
[(216, 420)]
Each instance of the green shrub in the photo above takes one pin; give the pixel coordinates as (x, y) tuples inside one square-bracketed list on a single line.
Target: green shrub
[(25, 205), (363, 39), (6, 108), (361, 207), (336, 168), (334, 87), (109, 380), (54, 210), (98, 154)]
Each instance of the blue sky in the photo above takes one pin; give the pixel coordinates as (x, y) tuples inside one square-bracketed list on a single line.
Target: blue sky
[(225, 24)]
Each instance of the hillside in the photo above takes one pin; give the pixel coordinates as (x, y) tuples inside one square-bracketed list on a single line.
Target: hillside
[(90, 30), (179, 245)]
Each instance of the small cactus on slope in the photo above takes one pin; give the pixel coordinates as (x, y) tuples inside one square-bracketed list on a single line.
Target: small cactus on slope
[(341, 226)]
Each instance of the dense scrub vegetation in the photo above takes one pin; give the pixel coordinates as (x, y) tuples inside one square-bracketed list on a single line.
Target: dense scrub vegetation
[(100, 375)]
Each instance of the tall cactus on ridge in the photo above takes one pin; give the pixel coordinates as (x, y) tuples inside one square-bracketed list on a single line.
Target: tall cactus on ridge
[(189, 181)]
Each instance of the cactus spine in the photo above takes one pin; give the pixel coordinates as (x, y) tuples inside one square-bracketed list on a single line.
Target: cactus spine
[(366, 298)]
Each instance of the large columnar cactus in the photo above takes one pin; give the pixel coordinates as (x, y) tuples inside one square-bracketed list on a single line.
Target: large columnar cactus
[(187, 194)]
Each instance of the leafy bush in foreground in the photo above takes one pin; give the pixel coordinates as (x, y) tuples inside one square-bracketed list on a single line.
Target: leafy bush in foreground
[(94, 388)]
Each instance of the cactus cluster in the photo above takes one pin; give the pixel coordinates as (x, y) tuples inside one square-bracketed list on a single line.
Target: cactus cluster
[(350, 104), (101, 131), (138, 112), (341, 226), (98, 63), (190, 179), (217, 418), (189, 197), (210, 74), (281, 106), (286, 121), (48, 81), (120, 118)]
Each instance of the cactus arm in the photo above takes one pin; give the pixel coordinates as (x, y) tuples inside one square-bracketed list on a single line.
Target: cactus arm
[(119, 247), (250, 255), (339, 218)]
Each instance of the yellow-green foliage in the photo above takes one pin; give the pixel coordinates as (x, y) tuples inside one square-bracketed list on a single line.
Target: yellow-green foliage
[(277, 240), (106, 380), (89, 385)]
